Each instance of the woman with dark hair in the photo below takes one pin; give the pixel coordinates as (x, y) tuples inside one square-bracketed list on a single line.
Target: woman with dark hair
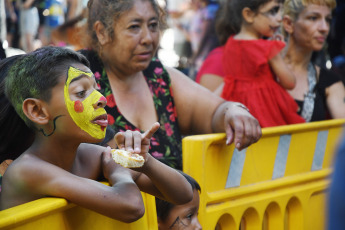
[(13, 129), (15, 136), (124, 36), (211, 72)]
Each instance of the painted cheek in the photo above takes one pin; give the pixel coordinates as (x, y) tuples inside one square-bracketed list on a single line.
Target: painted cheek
[(78, 107)]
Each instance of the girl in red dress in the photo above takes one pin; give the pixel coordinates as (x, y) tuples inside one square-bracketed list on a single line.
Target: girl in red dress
[(256, 74)]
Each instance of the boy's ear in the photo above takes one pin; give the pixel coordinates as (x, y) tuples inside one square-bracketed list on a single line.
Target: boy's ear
[(248, 15), (35, 110), (288, 24), (101, 32)]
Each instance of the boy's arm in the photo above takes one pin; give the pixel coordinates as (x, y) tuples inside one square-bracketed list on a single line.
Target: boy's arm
[(164, 182), (121, 201), (155, 177)]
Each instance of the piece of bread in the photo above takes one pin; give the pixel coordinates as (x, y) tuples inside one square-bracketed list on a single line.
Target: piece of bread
[(127, 159)]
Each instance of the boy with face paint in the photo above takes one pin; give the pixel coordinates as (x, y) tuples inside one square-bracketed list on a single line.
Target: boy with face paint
[(54, 92), (82, 112)]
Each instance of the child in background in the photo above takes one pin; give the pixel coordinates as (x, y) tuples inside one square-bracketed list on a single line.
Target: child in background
[(53, 90), (256, 74), (184, 216)]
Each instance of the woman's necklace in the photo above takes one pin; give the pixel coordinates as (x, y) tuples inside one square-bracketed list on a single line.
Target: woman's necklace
[(309, 96)]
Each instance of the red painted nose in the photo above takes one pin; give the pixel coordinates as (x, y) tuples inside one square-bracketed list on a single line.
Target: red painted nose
[(101, 103), (103, 99)]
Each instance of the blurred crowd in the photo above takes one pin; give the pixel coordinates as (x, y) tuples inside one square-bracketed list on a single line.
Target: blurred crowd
[(29, 24), (194, 27)]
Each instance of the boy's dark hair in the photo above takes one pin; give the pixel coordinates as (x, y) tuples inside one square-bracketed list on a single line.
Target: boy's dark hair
[(15, 136), (163, 207), (33, 75)]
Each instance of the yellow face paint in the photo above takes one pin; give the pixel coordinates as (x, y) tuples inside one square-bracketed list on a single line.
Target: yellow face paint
[(91, 120)]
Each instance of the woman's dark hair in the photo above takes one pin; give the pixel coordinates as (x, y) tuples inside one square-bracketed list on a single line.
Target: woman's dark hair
[(108, 12), (33, 75), (229, 18), (109, 135), (15, 136), (210, 40), (163, 207)]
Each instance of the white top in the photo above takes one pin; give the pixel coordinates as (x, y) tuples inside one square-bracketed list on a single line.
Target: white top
[(2, 21)]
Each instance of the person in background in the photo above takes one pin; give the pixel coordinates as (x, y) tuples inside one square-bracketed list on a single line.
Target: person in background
[(55, 93), (336, 200), (28, 25), (338, 62), (184, 216), (60, 12), (12, 24), (319, 92), (70, 33), (123, 39), (337, 30), (211, 73), (202, 33), (255, 73), (3, 30), (179, 14), (10, 148)]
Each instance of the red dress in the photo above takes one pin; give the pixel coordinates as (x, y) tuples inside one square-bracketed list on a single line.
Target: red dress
[(249, 80)]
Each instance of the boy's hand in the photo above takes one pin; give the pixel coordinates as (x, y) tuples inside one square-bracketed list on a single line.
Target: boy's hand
[(111, 170), (136, 142)]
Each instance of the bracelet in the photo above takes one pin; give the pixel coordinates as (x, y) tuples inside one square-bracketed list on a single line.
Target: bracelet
[(241, 106)]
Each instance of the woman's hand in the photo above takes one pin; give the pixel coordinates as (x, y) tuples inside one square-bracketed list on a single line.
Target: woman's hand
[(240, 126)]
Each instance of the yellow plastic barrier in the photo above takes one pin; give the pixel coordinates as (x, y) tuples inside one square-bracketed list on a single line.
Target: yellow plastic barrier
[(278, 183), (58, 214)]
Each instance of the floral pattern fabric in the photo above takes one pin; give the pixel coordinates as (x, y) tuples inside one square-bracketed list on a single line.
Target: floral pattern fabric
[(166, 143)]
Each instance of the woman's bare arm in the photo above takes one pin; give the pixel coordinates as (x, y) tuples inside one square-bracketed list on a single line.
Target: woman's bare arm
[(336, 100), (201, 111)]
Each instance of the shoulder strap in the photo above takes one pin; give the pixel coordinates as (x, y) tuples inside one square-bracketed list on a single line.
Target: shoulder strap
[(309, 97)]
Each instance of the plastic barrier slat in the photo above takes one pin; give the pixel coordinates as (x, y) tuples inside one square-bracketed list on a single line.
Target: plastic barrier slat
[(280, 182), (58, 214)]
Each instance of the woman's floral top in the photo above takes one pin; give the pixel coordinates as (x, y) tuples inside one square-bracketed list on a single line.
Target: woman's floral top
[(166, 142)]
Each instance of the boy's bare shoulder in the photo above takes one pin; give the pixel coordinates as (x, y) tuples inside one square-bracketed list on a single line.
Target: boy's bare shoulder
[(88, 161), (89, 151), (27, 170), (86, 148), (26, 179)]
